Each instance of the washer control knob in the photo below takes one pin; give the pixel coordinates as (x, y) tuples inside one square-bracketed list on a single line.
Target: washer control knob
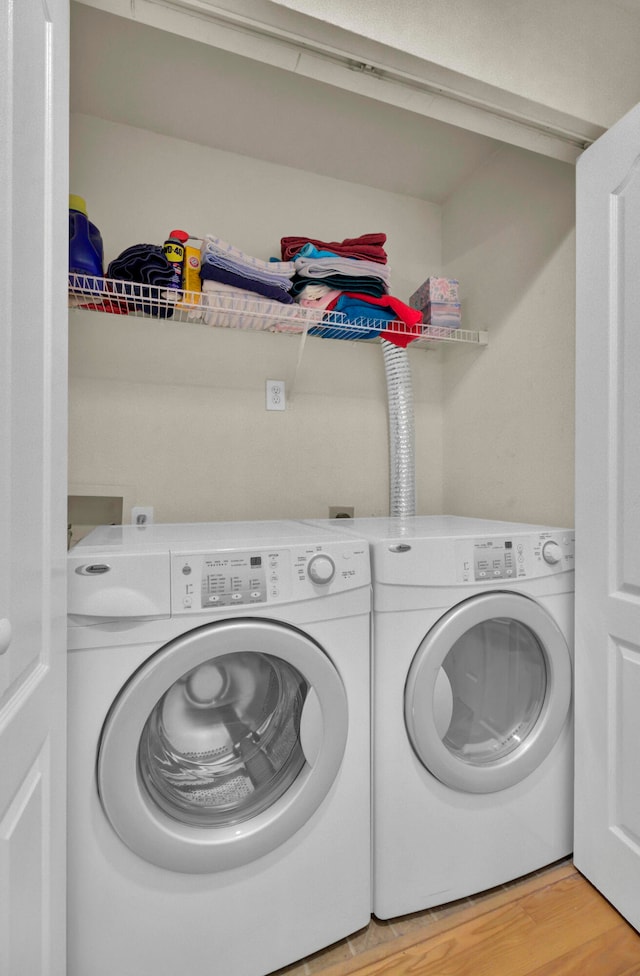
[(321, 569), (551, 553)]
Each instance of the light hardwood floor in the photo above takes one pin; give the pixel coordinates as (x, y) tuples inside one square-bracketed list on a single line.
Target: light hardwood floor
[(553, 923)]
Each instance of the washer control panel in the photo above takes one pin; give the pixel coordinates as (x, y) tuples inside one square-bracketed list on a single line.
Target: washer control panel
[(231, 579), (514, 557), (208, 580)]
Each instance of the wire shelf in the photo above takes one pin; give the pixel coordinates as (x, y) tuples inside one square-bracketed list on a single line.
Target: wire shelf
[(227, 310)]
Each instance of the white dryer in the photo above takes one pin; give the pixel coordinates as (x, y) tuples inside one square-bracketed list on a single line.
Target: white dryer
[(471, 708), (219, 788)]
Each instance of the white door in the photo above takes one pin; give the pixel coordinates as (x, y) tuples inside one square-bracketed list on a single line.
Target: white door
[(607, 666), (33, 259)]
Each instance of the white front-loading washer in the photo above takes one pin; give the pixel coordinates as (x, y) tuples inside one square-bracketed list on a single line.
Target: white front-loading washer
[(471, 706), (219, 784)]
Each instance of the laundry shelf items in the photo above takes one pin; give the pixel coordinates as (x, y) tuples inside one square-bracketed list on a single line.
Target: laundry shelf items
[(253, 314)]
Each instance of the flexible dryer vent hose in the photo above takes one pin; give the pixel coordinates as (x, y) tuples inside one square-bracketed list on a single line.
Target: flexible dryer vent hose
[(402, 476)]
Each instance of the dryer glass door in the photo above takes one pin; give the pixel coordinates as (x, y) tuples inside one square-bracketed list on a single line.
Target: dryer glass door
[(488, 692), (496, 679), (222, 745)]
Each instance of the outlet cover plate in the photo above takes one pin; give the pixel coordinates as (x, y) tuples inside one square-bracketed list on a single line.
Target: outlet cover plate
[(142, 515), (275, 395)]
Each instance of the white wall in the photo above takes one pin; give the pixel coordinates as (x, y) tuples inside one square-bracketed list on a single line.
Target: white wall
[(177, 411), (576, 56), (508, 234)]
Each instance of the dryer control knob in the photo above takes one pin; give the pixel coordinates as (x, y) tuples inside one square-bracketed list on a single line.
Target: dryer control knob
[(321, 569), (551, 553)]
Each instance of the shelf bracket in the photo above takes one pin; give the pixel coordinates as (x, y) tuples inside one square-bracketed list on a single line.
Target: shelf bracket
[(291, 383)]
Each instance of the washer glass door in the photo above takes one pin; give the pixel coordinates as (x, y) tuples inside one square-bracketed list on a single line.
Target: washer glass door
[(222, 745), (488, 692)]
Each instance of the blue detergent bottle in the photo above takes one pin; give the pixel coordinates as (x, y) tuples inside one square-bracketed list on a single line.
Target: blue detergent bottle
[(86, 253)]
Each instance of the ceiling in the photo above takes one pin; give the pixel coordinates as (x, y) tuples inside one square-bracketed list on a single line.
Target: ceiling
[(129, 73)]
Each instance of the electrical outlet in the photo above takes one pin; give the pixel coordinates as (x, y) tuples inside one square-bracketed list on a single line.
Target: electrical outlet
[(142, 515), (341, 511), (275, 393)]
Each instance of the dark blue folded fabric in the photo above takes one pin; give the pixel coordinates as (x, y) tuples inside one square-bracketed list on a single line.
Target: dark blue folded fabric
[(366, 285), (143, 264), (210, 273)]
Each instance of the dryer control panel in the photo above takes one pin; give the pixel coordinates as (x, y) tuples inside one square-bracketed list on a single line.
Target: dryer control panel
[(514, 557), (208, 580)]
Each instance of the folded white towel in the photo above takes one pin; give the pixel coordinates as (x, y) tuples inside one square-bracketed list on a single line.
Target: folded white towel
[(323, 267), (236, 308), (216, 246)]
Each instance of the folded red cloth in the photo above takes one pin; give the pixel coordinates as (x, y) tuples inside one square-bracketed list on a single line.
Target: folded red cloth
[(367, 247), (400, 333), (410, 316)]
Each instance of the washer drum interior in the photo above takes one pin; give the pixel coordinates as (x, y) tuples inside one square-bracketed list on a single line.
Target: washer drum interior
[(222, 745)]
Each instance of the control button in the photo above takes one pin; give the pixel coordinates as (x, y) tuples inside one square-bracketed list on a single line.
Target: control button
[(321, 569), (186, 569), (255, 594), (236, 596), (551, 553), (187, 602)]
